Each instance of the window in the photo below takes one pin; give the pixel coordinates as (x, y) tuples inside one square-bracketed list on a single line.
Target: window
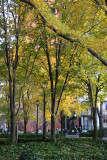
[(105, 118), (106, 105)]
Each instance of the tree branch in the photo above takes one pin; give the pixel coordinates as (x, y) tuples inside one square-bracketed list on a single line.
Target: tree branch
[(63, 88), (4, 75), (97, 56), (31, 4), (100, 5), (26, 80), (65, 36)]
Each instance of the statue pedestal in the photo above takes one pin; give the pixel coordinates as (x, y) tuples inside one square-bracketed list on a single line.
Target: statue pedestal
[(72, 136)]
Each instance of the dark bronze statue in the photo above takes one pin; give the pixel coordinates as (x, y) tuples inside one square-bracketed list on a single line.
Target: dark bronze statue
[(72, 123)]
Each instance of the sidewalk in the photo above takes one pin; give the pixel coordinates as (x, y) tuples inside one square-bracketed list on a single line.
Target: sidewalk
[(104, 138)]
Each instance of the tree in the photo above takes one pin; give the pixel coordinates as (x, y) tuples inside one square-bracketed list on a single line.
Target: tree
[(4, 104), (13, 52), (102, 97), (92, 79), (11, 58), (70, 103), (57, 57), (68, 24), (44, 12), (88, 15), (26, 110)]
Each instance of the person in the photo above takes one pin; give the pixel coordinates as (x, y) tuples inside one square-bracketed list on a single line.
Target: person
[(65, 131), (57, 130)]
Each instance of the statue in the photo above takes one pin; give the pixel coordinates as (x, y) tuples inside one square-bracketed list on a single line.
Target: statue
[(72, 123)]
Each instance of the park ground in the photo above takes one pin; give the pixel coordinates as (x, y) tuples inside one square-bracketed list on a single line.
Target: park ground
[(31, 147)]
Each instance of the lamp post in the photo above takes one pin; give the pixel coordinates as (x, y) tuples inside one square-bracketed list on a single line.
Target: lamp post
[(44, 119), (37, 102)]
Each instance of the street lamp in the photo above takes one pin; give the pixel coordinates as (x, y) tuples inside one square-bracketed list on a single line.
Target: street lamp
[(44, 119), (37, 102), (44, 86)]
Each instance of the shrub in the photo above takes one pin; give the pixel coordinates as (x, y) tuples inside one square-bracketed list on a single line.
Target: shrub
[(28, 156), (89, 133)]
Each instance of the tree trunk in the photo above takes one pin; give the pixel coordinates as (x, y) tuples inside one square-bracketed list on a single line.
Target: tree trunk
[(44, 130), (100, 121), (62, 121), (44, 119), (95, 112), (53, 127), (37, 121), (93, 107), (13, 136), (61, 124), (11, 66), (25, 124), (95, 123)]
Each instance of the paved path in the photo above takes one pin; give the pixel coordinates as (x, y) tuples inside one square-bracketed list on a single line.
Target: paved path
[(104, 138)]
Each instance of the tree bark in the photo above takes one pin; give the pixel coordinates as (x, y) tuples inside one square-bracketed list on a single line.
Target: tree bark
[(44, 119), (11, 86), (25, 115), (12, 109), (13, 126), (37, 121), (95, 123), (93, 108), (25, 124), (62, 120), (53, 127), (95, 112), (52, 95), (100, 121)]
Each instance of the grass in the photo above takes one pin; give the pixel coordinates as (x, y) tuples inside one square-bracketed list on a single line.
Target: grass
[(31, 147)]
